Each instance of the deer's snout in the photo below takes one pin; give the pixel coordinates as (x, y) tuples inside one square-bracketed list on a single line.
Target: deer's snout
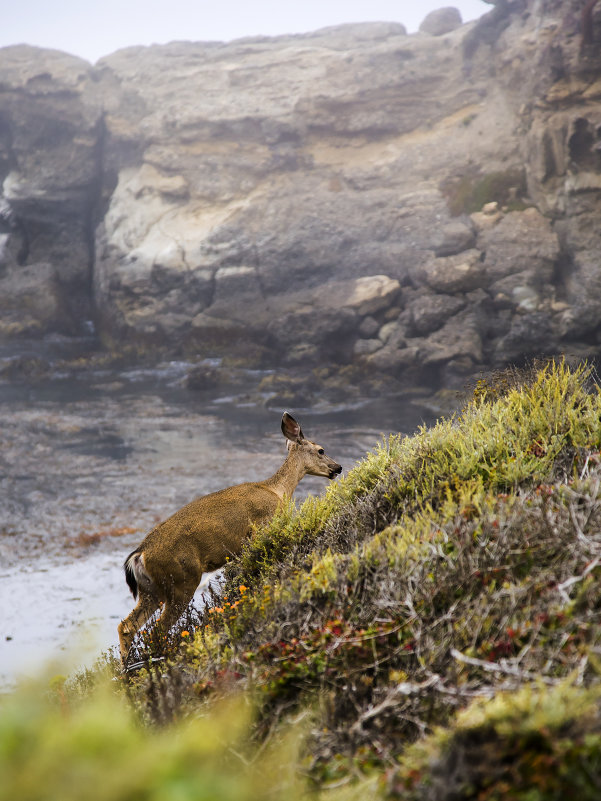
[(335, 470)]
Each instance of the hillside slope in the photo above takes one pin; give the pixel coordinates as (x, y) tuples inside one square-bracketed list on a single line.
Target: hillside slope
[(428, 629)]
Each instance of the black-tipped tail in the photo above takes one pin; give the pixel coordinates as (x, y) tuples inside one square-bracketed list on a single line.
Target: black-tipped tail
[(130, 575)]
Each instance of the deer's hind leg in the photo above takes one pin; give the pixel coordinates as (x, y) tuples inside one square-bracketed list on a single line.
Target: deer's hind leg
[(128, 628), (175, 605)]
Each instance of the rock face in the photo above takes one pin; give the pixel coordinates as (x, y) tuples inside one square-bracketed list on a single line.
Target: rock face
[(423, 205), (50, 134)]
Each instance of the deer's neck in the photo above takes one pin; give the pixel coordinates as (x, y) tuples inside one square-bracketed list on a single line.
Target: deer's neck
[(285, 481)]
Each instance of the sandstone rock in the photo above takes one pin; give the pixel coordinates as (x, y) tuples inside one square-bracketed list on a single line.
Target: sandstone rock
[(217, 168), (583, 293), (523, 291), (483, 221), (429, 312), (458, 338), (453, 238), (339, 37), (393, 359), (386, 331), (477, 297), (450, 274), (529, 334), (441, 21), (366, 295), (523, 241), (32, 302), (369, 327), (329, 334), (284, 197), (526, 298), (364, 347), (393, 333), (236, 282), (393, 313)]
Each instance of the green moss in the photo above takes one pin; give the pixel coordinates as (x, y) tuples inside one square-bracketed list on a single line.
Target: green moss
[(468, 193)]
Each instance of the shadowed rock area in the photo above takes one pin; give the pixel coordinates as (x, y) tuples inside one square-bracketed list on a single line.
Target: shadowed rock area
[(424, 206)]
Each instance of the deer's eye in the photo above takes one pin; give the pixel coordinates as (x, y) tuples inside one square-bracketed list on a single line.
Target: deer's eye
[(321, 451)]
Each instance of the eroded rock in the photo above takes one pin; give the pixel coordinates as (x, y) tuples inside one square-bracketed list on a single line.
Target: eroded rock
[(353, 195), (32, 302), (50, 129), (453, 238), (522, 241), (431, 311), (450, 274), (441, 21)]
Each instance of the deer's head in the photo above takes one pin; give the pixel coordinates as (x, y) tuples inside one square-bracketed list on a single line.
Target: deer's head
[(314, 458)]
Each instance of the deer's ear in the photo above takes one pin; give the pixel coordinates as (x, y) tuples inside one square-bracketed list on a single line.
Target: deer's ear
[(291, 429)]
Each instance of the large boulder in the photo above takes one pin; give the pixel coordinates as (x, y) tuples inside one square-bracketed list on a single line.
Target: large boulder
[(430, 311), (441, 21), (449, 274), (521, 241)]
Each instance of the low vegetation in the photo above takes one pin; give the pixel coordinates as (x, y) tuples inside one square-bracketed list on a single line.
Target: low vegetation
[(427, 629), (471, 191)]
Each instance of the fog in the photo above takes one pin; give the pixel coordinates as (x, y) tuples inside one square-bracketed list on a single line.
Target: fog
[(94, 29)]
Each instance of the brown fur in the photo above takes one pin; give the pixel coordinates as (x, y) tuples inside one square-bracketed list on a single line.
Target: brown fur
[(168, 565)]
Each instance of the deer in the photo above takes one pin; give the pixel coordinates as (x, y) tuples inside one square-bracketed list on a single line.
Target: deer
[(168, 565)]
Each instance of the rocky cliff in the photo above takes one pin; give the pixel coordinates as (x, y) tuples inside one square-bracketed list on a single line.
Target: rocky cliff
[(424, 204)]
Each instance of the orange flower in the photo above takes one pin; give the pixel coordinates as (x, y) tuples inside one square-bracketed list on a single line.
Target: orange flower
[(242, 588), (185, 633)]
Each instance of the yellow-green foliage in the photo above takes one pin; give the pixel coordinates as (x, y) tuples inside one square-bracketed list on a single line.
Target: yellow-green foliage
[(456, 468), (491, 447), (535, 745), (496, 446), (460, 556), (291, 527), (52, 749), (453, 565)]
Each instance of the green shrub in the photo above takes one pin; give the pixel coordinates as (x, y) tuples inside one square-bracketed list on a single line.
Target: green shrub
[(433, 620), (534, 745), (53, 749)]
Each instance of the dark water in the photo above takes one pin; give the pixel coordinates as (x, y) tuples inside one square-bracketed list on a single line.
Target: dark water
[(91, 459)]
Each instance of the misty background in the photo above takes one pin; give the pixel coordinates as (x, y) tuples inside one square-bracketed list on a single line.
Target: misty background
[(95, 29)]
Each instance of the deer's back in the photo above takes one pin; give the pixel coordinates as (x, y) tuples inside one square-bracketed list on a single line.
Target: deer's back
[(213, 526)]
